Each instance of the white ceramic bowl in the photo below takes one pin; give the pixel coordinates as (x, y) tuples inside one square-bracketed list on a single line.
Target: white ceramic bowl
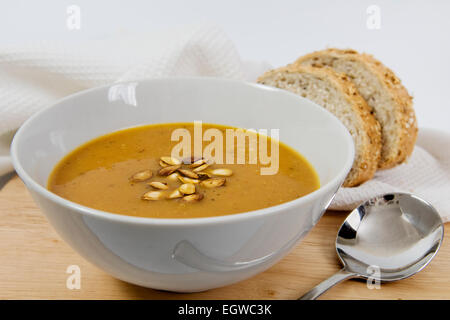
[(182, 255)]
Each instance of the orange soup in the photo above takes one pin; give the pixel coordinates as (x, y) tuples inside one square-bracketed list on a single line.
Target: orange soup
[(133, 172)]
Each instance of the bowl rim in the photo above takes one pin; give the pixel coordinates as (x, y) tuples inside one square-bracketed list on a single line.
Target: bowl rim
[(30, 183)]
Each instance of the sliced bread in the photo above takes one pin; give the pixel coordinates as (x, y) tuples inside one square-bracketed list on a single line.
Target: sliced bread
[(384, 93), (336, 93)]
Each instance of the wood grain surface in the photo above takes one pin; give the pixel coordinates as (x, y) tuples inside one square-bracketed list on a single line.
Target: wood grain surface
[(33, 263)]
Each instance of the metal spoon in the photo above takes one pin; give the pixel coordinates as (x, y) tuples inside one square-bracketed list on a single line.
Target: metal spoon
[(396, 235)]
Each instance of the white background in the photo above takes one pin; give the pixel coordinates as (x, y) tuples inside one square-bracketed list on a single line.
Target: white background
[(413, 38)]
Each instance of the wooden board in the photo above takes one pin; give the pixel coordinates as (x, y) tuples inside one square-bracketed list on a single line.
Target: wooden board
[(33, 263)]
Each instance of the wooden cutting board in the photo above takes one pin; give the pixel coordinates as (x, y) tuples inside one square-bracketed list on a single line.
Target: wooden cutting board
[(33, 263)]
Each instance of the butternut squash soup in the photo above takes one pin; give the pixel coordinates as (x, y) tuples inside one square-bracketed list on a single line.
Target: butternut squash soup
[(133, 172)]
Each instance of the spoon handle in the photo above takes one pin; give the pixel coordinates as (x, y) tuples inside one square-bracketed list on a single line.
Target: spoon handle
[(318, 290)]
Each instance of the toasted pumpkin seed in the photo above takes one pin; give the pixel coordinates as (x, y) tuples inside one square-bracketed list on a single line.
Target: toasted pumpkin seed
[(171, 161), (201, 168), (203, 175), (168, 170), (188, 173), (152, 195), (224, 172), (159, 185), (188, 180), (193, 197), (163, 164), (197, 163), (175, 194), (187, 188), (141, 176), (174, 176), (213, 183)]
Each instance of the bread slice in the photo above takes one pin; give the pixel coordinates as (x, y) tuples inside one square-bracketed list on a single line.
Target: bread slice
[(336, 93), (384, 93)]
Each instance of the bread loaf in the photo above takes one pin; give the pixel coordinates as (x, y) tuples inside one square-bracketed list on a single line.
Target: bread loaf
[(384, 93), (336, 93)]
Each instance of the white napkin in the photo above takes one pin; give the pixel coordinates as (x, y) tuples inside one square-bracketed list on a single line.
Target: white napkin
[(426, 174), (36, 75)]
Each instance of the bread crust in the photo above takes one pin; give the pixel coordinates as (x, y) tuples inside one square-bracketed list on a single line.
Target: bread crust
[(407, 128), (371, 152)]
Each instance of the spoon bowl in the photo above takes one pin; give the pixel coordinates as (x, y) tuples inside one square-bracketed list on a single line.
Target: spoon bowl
[(387, 238)]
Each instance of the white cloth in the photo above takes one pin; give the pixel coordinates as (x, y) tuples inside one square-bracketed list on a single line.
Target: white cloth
[(426, 174), (36, 75)]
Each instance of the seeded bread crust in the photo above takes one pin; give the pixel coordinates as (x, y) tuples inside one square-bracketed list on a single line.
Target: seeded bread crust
[(368, 155), (405, 128)]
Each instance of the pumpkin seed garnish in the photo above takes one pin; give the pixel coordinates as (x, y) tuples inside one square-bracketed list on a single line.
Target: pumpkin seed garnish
[(224, 172), (159, 185), (175, 194), (197, 163), (201, 168), (141, 176), (188, 173), (152, 195), (193, 197), (171, 161), (187, 188), (188, 180), (174, 176), (213, 183), (203, 175), (169, 170), (163, 164)]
